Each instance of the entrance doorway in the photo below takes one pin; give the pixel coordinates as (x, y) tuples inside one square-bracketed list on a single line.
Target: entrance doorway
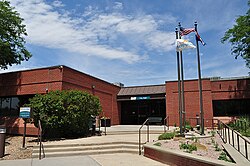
[(137, 111)]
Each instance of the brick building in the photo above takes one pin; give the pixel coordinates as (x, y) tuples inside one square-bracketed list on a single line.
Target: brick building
[(124, 105), (17, 87)]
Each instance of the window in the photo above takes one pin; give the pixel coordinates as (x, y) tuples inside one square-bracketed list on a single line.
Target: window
[(233, 107), (9, 106), (14, 106), (5, 106)]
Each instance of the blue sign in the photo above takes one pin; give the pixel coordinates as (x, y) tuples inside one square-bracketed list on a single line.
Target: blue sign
[(140, 98), (24, 112)]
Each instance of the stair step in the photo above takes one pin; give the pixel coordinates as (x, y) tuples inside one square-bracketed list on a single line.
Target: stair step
[(87, 152), (131, 132), (84, 148), (85, 144)]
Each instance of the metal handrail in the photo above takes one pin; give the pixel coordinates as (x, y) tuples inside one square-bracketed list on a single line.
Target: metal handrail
[(40, 140), (205, 119), (166, 123), (146, 121), (224, 132)]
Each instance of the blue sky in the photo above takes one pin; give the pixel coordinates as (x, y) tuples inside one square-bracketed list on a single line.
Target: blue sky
[(129, 41)]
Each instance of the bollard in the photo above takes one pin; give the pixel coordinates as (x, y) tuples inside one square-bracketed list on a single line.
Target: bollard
[(2, 141)]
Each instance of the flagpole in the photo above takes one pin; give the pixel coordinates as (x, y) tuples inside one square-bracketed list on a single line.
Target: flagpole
[(200, 84), (179, 83), (182, 89)]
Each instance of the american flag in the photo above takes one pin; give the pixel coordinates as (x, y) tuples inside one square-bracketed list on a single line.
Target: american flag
[(186, 31)]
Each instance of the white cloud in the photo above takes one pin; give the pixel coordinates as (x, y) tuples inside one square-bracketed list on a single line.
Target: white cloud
[(118, 6), (142, 24), (57, 3), (94, 33)]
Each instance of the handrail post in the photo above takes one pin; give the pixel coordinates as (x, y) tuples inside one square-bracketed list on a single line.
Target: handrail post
[(246, 149), (140, 135), (164, 125), (233, 137), (40, 139), (238, 142), (105, 129), (139, 141), (228, 135), (212, 124), (148, 132), (168, 122), (225, 133)]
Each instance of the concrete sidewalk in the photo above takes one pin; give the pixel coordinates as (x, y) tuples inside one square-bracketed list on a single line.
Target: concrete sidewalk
[(95, 160), (56, 161), (131, 137)]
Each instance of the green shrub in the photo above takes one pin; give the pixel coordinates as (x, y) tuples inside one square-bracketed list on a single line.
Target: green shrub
[(165, 136), (64, 113), (157, 144), (242, 125)]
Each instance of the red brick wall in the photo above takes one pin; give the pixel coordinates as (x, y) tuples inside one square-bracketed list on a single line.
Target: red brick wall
[(106, 92), (30, 81), (192, 101), (26, 83), (15, 125), (230, 89)]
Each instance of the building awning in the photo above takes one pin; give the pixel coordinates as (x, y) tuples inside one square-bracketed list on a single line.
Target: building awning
[(142, 90)]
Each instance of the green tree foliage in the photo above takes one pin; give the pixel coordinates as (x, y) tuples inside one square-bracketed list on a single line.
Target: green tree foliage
[(239, 37), (65, 113), (12, 32)]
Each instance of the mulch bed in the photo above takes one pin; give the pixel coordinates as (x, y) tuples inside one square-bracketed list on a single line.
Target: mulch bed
[(14, 150)]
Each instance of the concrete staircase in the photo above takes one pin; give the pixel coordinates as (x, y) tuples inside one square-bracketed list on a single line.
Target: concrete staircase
[(87, 149)]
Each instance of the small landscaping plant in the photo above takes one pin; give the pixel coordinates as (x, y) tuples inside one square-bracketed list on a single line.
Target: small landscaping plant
[(223, 156), (212, 140), (157, 144), (188, 147), (216, 145), (165, 136), (213, 133)]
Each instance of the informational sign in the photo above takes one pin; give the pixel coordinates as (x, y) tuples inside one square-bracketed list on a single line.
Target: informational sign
[(25, 112), (140, 98)]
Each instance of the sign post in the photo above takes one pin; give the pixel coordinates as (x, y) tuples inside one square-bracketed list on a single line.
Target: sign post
[(25, 113)]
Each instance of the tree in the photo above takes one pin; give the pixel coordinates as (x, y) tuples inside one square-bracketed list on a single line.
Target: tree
[(239, 37), (12, 32), (65, 113)]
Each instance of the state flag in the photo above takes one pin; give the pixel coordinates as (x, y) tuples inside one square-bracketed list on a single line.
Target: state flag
[(182, 44)]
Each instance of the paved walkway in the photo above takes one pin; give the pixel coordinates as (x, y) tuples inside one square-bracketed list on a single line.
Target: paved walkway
[(123, 159), (132, 137), (56, 161)]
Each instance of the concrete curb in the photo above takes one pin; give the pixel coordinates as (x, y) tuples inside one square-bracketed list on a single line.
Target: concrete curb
[(168, 156)]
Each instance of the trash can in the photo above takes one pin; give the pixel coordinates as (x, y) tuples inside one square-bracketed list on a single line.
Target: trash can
[(93, 120), (2, 141)]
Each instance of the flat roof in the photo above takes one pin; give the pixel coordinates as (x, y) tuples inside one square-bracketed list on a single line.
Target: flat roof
[(142, 90)]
